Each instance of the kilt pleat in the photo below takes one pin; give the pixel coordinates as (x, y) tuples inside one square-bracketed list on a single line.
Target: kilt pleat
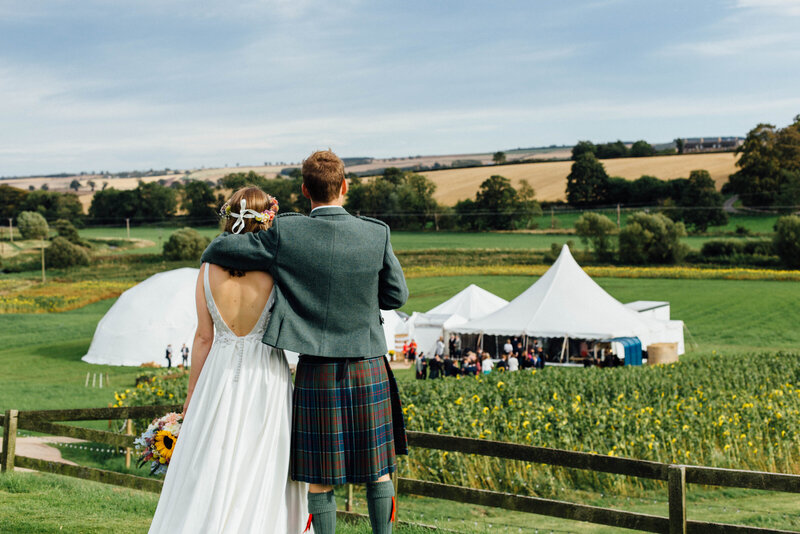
[(347, 426)]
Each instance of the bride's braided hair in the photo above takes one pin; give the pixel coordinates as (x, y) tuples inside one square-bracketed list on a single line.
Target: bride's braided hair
[(257, 200)]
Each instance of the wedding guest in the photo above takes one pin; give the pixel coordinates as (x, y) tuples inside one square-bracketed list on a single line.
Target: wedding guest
[(405, 351), (435, 367), (513, 363), (421, 366), (486, 364), (508, 347), (185, 355), (169, 356), (439, 348), (457, 346), (412, 350), (470, 365), (502, 365), (450, 368), (451, 345), (538, 362)]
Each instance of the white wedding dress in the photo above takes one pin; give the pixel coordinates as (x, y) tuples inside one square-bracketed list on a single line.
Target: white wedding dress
[(229, 473)]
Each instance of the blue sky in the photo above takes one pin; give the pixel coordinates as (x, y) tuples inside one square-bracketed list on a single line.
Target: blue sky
[(111, 85)]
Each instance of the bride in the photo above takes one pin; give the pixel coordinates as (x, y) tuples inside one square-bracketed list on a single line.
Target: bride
[(229, 472)]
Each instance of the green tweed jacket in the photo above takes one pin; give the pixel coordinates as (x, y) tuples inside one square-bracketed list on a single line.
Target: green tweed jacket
[(333, 274)]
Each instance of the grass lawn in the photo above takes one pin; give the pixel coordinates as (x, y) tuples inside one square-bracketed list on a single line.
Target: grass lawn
[(156, 234), (730, 315), (40, 361), (43, 503)]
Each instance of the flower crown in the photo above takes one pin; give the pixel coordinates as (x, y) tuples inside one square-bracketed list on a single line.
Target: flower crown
[(268, 215)]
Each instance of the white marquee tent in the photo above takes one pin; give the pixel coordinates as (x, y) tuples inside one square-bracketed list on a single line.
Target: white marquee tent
[(566, 302), (161, 311), (470, 303)]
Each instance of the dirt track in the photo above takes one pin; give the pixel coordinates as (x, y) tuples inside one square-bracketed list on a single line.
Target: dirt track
[(35, 447)]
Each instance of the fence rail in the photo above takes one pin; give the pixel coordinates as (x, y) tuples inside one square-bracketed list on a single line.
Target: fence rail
[(676, 476)]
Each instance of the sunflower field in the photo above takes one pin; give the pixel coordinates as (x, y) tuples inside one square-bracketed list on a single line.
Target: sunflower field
[(716, 410), (153, 388)]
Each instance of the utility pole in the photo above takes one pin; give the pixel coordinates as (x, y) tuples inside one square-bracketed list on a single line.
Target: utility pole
[(128, 226), (43, 278), (552, 219), (11, 229), (618, 216)]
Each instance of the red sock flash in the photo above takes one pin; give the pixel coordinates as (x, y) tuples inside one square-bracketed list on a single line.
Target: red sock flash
[(391, 519), (308, 525)]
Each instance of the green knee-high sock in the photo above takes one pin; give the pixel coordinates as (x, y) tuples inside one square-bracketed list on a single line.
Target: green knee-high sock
[(380, 502), (322, 507)]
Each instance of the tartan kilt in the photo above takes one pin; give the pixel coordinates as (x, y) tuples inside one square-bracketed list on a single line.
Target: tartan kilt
[(347, 424)]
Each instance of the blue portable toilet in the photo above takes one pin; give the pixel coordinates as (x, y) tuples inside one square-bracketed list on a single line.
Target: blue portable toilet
[(633, 349)]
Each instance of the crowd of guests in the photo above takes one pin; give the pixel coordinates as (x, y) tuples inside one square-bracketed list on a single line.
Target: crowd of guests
[(455, 361)]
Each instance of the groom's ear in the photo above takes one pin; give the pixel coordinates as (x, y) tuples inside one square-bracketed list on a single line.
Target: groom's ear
[(344, 188), (304, 189)]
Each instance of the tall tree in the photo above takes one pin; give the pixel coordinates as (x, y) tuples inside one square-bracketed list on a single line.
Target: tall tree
[(642, 149), (587, 182), (768, 157), (11, 199), (582, 147), (499, 157), (702, 202), (199, 202)]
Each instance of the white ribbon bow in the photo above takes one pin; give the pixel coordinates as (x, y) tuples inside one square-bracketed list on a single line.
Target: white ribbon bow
[(244, 213)]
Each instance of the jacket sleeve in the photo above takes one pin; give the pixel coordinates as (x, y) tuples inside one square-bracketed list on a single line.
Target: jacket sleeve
[(252, 251), (392, 288)]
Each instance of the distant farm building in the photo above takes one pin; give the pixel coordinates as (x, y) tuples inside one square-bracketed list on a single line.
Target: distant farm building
[(711, 144)]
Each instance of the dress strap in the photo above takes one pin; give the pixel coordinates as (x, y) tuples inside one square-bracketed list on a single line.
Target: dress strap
[(219, 324)]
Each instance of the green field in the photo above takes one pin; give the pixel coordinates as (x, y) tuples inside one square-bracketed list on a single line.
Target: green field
[(400, 240), (156, 234), (42, 504)]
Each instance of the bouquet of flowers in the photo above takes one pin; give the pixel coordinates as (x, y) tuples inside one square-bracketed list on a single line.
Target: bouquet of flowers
[(156, 444)]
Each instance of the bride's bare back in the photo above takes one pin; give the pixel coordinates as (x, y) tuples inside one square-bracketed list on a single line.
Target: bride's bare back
[(239, 299)]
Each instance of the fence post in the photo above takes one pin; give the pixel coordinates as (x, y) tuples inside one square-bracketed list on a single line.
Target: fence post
[(9, 440), (677, 499), (129, 432), (349, 504)]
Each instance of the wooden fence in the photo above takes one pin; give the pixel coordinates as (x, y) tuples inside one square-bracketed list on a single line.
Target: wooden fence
[(676, 476)]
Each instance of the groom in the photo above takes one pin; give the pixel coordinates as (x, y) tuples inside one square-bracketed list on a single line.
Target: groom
[(333, 274)]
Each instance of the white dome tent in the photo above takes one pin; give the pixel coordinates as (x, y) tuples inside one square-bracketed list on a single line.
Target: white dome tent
[(145, 319), (160, 311)]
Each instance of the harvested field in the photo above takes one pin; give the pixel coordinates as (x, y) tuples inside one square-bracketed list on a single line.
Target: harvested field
[(549, 179)]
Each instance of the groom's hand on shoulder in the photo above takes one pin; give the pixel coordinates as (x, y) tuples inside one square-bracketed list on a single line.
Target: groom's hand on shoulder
[(252, 251)]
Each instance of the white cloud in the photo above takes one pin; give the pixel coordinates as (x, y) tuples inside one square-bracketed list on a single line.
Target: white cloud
[(780, 7), (738, 45)]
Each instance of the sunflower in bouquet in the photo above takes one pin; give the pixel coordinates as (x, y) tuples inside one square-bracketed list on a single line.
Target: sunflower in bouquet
[(157, 443)]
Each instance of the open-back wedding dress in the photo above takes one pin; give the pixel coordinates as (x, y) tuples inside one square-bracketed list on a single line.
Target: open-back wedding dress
[(229, 473)]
